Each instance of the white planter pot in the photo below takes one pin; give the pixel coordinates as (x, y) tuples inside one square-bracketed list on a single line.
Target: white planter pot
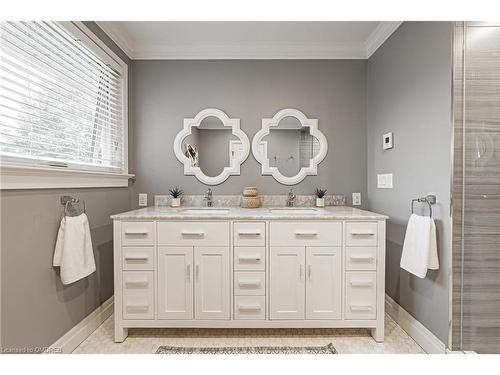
[(320, 202), (176, 202)]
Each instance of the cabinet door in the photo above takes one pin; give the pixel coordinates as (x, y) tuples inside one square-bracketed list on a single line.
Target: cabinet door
[(324, 283), (175, 283), (287, 283), (211, 286)]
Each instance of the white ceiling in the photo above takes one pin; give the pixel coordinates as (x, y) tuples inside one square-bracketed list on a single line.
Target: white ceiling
[(248, 40)]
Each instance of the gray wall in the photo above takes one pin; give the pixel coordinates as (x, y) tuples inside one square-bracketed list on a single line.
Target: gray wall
[(409, 93), (166, 92), (36, 309)]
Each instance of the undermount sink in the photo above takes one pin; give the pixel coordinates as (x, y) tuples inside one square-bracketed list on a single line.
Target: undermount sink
[(205, 211), (292, 210)]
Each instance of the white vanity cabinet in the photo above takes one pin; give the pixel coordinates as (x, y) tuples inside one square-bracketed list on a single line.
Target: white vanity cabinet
[(306, 283), (249, 273), (175, 283)]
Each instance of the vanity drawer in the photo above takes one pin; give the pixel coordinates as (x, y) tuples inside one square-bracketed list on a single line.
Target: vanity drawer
[(138, 300), (138, 233), (361, 295), (249, 308), (249, 258), (360, 258), (249, 283), (306, 233), (361, 234), (193, 233), (138, 258), (249, 234)]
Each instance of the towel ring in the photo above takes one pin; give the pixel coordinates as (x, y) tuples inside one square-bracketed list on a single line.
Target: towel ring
[(429, 199), (69, 210)]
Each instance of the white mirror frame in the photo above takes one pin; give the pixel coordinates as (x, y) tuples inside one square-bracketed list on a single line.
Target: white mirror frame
[(232, 123), (259, 147)]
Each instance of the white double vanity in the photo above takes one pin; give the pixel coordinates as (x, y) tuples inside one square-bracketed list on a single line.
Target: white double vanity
[(230, 267)]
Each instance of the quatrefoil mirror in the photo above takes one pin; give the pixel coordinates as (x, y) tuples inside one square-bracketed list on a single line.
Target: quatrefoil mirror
[(289, 146), (211, 146)]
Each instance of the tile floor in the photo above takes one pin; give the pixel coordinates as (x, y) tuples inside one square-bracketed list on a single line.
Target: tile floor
[(346, 341)]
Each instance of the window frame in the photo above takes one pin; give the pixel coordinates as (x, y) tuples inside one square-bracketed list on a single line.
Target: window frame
[(38, 176)]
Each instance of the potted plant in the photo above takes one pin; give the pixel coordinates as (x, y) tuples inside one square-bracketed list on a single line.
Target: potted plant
[(176, 194), (320, 197)]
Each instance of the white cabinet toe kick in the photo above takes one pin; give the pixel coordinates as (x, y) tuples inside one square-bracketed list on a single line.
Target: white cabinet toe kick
[(249, 274)]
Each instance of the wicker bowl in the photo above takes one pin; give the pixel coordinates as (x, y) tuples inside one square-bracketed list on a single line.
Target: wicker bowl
[(250, 202), (250, 191)]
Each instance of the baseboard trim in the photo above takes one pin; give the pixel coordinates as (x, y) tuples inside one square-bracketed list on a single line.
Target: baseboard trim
[(416, 330), (76, 335)]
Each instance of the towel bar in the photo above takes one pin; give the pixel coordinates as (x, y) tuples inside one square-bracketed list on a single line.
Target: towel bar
[(429, 199)]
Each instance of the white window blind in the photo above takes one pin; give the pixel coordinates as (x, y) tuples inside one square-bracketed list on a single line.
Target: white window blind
[(60, 103)]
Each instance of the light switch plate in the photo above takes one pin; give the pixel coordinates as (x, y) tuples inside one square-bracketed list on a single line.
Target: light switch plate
[(143, 199), (384, 181), (356, 199)]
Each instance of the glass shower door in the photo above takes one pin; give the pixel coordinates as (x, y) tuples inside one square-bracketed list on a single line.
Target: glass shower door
[(476, 189)]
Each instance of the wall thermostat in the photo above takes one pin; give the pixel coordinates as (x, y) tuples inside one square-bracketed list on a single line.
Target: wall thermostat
[(387, 142)]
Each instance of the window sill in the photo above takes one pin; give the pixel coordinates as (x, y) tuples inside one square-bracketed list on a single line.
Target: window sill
[(14, 176)]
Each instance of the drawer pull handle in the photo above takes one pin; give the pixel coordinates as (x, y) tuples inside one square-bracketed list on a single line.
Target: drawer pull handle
[(249, 233), (360, 307), (310, 272), (138, 306), (361, 283), (363, 233), (143, 282), (247, 283), (249, 257), (249, 307), (136, 257), (197, 271), (301, 272), (188, 272), (361, 258), (199, 234), (136, 232), (306, 233)]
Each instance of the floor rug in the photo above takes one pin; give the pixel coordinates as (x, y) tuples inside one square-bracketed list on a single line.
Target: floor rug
[(327, 349)]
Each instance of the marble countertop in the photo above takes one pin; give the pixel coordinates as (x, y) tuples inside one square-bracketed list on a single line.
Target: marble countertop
[(238, 213)]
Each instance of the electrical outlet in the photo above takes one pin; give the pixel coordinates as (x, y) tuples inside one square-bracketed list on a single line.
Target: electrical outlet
[(143, 199), (356, 199)]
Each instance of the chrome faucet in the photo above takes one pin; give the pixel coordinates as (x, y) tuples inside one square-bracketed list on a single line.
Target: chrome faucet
[(291, 198), (208, 197)]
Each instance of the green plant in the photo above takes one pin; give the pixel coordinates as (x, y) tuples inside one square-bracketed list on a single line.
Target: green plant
[(320, 193), (176, 192)]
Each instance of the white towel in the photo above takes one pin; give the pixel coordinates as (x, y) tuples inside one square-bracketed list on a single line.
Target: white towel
[(420, 246), (73, 252)]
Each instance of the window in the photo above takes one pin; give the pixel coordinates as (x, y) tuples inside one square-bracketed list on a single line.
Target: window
[(62, 99)]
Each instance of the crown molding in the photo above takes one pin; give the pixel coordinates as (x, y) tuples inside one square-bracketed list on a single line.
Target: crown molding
[(381, 33), (251, 51), (121, 38), (235, 51)]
